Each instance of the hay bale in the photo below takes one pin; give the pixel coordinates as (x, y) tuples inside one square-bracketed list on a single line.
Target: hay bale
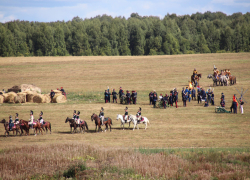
[(11, 97), (20, 98), (47, 98), (5, 95), (30, 95), (38, 98), (57, 92), (30, 87), (1, 99), (61, 99), (54, 98)]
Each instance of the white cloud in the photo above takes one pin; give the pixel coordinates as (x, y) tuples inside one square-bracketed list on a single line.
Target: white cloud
[(4, 19)]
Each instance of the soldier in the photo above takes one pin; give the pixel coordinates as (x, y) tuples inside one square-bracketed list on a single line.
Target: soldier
[(101, 115), (199, 95), (106, 96), (206, 102), (128, 95), (165, 100), (114, 94), (125, 117), (176, 94), (184, 100), (122, 97), (189, 94), (52, 94), (222, 96), (134, 96), (212, 98), (78, 118), (194, 74), (154, 100), (155, 93), (208, 96), (41, 119), (120, 92), (139, 114), (16, 119), (193, 94), (222, 103), (241, 106), (171, 99), (151, 95), (10, 123), (175, 98), (74, 115), (203, 94), (31, 119)]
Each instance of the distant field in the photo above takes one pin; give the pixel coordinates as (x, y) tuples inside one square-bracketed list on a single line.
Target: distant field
[(194, 126), (86, 78)]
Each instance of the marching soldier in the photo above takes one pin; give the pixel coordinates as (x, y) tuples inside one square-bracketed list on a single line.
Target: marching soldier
[(126, 114), (101, 115)]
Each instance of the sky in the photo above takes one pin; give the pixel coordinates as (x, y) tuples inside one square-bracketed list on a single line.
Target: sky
[(59, 10)]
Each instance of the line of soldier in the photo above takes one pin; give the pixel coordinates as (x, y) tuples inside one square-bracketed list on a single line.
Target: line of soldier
[(121, 94), (11, 123), (165, 100)]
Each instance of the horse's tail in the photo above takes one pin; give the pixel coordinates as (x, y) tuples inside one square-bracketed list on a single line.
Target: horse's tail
[(86, 125)]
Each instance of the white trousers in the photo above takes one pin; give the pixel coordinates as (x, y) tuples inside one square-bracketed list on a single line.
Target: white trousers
[(241, 109)]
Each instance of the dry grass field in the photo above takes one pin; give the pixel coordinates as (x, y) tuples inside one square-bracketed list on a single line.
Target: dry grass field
[(86, 78)]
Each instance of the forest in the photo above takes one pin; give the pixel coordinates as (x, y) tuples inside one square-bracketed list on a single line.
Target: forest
[(209, 32)]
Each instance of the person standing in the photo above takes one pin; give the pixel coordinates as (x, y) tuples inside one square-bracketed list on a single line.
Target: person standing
[(189, 94), (193, 94), (185, 100), (209, 96), (52, 94), (151, 96), (212, 98), (114, 94), (154, 100), (171, 99), (10, 123), (241, 106), (222, 103), (128, 95), (106, 96), (175, 97), (120, 93), (134, 96)]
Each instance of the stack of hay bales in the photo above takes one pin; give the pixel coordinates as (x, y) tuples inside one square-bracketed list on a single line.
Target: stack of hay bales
[(9, 97), (30, 95), (58, 98), (1, 99), (30, 87), (21, 97)]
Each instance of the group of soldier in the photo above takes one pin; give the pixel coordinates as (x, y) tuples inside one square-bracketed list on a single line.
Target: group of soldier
[(167, 100), (31, 120), (52, 93), (128, 97)]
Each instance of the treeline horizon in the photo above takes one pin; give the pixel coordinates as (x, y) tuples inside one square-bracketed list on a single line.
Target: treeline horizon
[(137, 35)]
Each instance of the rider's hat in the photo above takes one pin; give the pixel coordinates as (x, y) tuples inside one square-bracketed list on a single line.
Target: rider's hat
[(74, 111), (16, 114), (78, 112), (41, 113), (61, 87), (31, 112), (102, 109), (126, 108)]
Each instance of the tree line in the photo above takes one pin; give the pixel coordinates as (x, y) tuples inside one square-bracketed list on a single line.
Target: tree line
[(137, 35)]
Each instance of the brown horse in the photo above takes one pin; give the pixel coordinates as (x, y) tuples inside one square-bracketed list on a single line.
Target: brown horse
[(36, 126), (232, 80), (83, 125), (15, 128), (107, 122), (46, 126), (195, 79), (72, 123), (25, 126)]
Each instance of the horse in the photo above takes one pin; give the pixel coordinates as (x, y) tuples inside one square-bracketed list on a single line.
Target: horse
[(36, 126), (195, 79), (223, 80), (72, 123), (83, 125), (6, 127), (215, 80), (232, 80), (46, 126), (135, 120), (119, 116), (107, 122), (25, 126)]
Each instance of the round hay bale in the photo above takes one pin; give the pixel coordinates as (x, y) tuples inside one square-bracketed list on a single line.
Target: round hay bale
[(61, 99), (54, 98), (11, 97), (38, 98), (30, 95), (20, 98), (47, 98), (5, 95), (1, 99)]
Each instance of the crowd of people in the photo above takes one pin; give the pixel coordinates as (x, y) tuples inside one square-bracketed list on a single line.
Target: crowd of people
[(128, 98)]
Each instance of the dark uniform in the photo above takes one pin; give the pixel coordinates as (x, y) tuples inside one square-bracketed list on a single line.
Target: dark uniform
[(106, 96), (212, 98), (175, 98), (41, 118), (114, 94), (10, 123), (126, 114), (52, 94), (171, 99), (151, 95), (120, 92), (193, 94), (222, 103), (128, 95), (199, 95), (134, 96), (139, 115), (154, 100), (74, 115), (206, 103)]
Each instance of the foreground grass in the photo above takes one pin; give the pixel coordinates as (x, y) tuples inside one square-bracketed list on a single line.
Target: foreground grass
[(75, 160)]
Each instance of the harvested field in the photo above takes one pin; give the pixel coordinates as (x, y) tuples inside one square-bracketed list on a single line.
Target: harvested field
[(192, 127)]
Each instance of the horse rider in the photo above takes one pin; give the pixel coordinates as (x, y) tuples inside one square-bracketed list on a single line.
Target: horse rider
[(101, 115), (77, 118), (74, 115), (125, 117), (31, 118), (16, 119), (10, 123), (41, 118), (194, 74), (52, 94), (139, 114), (114, 94)]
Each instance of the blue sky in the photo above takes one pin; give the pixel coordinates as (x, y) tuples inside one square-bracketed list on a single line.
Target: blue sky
[(53, 10)]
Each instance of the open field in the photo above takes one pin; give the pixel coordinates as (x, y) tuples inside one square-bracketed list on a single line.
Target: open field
[(86, 78)]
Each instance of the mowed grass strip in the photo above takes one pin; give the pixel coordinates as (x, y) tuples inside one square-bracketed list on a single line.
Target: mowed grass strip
[(86, 78)]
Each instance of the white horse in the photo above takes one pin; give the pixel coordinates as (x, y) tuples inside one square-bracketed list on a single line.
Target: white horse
[(135, 121), (119, 116)]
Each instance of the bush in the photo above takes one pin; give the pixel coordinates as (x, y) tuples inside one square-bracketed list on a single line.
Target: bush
[(73, 170)]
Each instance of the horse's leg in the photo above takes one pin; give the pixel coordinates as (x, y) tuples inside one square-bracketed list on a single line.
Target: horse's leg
[(145, 125), (110, 127)]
